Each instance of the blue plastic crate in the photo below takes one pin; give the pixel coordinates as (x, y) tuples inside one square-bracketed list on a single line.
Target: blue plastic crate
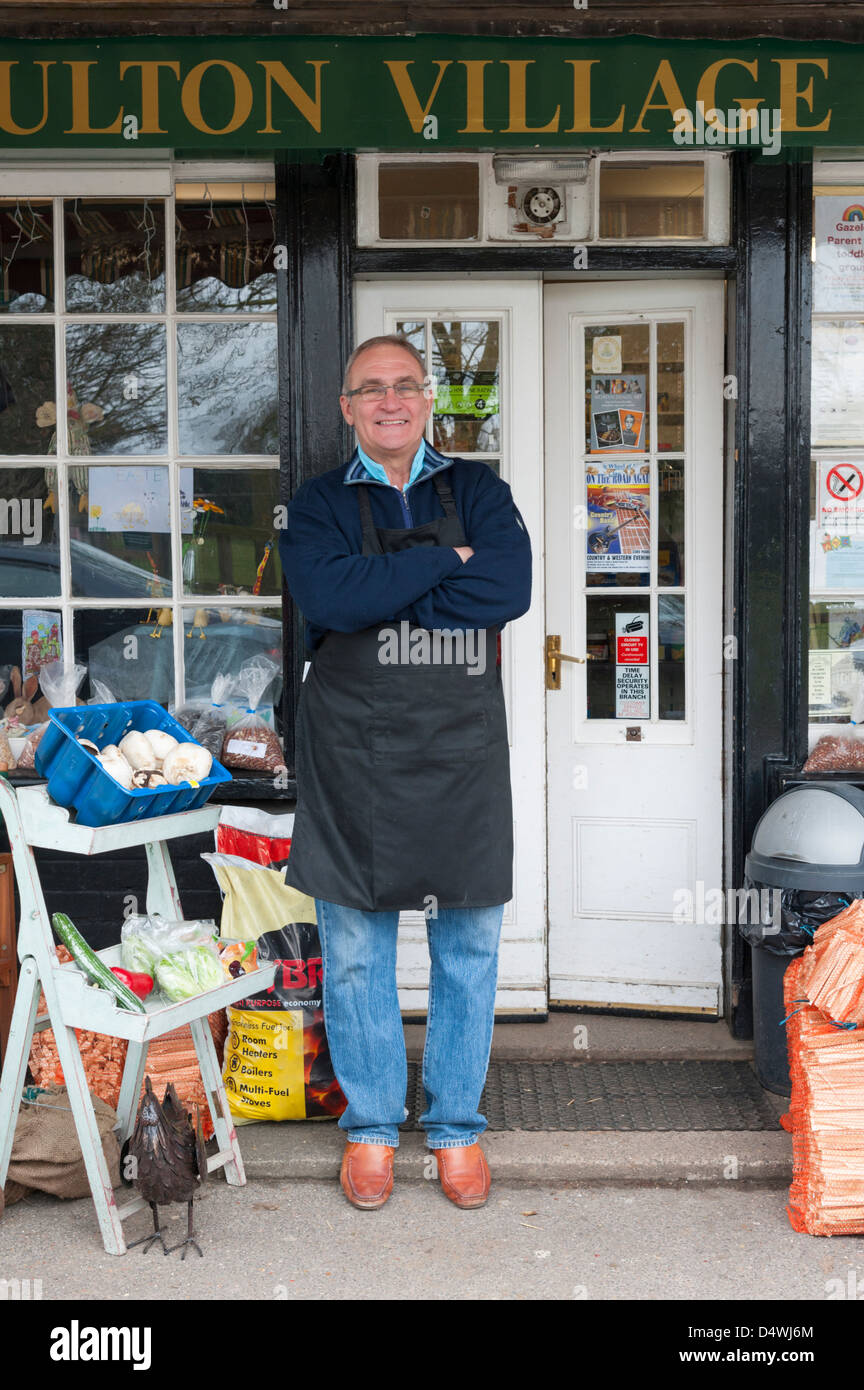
[(77, 780)]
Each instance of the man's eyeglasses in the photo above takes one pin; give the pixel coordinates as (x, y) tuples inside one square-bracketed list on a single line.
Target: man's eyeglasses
[(405, 390)]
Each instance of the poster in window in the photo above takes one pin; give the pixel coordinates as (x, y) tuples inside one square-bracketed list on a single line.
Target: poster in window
[(838, 534), (838, 273), (837, 383), (136, 499), (617, 414), (619, 530)]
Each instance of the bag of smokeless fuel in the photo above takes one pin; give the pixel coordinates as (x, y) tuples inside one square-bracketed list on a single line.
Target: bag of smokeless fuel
[(277, 1063)]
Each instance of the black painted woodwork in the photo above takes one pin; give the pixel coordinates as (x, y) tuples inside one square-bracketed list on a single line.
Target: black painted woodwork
[(772, 211)]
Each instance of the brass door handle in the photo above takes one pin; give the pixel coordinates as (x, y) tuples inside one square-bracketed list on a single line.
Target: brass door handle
[(554, 657)]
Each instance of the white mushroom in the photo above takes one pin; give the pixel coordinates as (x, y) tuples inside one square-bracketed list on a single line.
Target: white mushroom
[(188, 762), (136, 749), (90, 746), (160, 743), (148, 777), (116, 765)]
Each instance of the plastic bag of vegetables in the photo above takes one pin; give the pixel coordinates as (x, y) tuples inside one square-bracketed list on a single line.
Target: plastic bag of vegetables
[(181, 956)]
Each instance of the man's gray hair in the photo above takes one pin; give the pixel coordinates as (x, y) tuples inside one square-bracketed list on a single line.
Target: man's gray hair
[(383, 340)]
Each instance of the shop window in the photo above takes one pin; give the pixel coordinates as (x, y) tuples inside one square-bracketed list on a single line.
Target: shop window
[(836, 660), (146, 542)]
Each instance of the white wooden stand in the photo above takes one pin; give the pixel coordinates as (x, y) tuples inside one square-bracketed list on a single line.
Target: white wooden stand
[(33, 820)]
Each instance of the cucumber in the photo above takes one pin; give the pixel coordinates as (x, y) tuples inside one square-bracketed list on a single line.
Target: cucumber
[(85, 957)]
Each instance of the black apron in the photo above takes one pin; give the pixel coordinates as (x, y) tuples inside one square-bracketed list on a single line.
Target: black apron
[(403, 770)]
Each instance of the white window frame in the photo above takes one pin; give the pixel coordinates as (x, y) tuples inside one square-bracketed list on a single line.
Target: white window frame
[(91, 176), (717, 195)]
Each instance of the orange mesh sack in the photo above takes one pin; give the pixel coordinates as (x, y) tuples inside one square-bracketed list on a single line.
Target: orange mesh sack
[(169, 1058), (826, 1109)]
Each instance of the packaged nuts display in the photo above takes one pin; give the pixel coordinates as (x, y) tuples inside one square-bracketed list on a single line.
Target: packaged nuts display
[(836, 753), (251, 743)]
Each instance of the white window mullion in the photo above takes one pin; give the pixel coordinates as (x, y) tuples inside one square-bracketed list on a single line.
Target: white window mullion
[(173, 452), (60, 390)]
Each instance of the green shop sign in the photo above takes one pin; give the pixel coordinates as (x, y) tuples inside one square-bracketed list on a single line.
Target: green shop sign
[(426, 92)]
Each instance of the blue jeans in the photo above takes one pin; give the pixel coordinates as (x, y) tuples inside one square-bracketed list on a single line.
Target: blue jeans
[(364, 1024)]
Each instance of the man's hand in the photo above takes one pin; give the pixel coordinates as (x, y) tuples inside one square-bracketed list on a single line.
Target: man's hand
[(464, 552)]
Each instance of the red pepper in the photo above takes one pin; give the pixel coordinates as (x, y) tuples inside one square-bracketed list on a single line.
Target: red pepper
[(138, 982)]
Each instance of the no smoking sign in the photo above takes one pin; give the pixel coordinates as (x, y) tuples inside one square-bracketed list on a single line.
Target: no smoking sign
[(845, 481)]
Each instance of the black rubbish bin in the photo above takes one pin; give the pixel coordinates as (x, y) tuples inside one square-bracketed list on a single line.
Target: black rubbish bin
[(806, 863)]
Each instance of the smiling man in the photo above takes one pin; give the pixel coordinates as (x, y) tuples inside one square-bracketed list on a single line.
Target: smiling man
[(402, 764)]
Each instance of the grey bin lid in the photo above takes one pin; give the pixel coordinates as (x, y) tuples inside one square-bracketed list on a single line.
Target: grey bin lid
[(811, 838)]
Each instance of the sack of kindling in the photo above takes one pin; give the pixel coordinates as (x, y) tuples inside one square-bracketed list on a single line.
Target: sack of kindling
[(277, 1063), (46, 1150), (251, 743)]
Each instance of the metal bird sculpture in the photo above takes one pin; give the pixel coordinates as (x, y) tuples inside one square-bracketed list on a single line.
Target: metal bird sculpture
[(169, 1161)]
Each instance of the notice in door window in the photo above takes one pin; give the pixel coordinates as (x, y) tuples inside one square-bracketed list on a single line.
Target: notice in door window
[(838, 552), (617, 413), (632, 673), (838, 277), (619, 530), (837, 400)]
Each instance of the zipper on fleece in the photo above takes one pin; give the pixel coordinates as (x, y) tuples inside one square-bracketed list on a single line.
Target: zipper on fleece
[(405, 507)]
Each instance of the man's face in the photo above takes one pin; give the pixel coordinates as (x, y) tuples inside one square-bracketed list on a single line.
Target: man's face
[(629, 422), (394, 424)]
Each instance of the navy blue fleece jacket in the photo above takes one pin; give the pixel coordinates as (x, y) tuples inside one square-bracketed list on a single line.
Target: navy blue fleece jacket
[(336, 587)]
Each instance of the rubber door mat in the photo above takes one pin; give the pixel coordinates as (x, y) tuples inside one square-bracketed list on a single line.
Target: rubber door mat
[(560, 1095)]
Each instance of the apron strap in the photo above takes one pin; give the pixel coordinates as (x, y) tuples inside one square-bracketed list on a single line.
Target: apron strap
[(371, 543)]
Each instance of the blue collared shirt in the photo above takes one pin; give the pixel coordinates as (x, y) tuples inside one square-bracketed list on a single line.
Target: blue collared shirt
[(380, 475)]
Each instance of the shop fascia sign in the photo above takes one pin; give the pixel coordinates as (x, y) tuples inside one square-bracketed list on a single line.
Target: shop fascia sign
[(421, 93)]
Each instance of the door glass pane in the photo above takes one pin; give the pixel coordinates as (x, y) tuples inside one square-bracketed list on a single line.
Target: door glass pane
[(670, 523), (224, 252), (466, 363), (670, 386), (116, 386), (231, 545), (28, 413), (415, 331), (131, 650), (616, 382), (29, 554), (120, 532), (115, 255), (670, 638), (26, 256), (227, 380), (619, 651), (618, 536)]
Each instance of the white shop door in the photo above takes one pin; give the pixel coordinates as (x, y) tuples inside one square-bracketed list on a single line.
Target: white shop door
[(634, 581), (482, 341)]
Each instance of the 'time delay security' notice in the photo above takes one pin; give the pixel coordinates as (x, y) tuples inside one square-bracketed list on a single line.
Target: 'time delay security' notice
[(632, 672)]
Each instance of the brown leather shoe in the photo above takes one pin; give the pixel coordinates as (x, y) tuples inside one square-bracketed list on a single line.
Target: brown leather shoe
[(464, 1174), (367, 1174)]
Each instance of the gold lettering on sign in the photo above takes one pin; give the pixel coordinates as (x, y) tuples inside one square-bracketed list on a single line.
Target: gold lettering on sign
[(518, 98), (407, 95), (150, 90), (791, 94), (309, 107), (474, 96), (665, 79), (706, 91), (6, 122), (190, 97), (582, 98), (81, 102)]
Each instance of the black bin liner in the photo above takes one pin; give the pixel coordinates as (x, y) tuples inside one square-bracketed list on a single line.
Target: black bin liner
[(801, 912)]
